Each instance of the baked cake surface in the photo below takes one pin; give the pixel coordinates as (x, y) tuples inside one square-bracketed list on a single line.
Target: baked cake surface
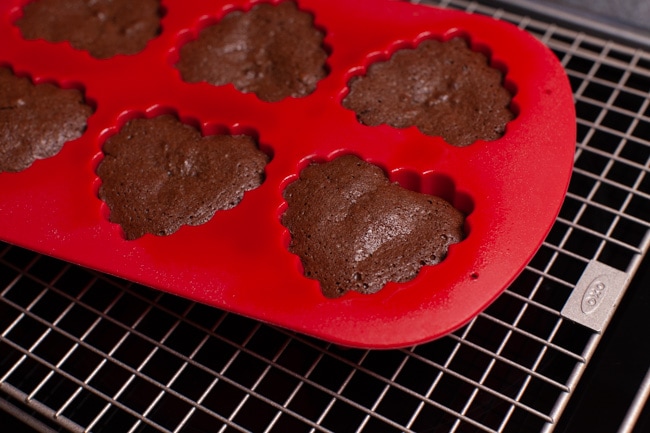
[(36, 120), (102, 27), (355, 230), (443, 88), (159, 174), (273, 51)]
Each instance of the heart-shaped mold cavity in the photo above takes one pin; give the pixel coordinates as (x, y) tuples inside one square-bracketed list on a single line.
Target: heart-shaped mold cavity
[(37, 119), (274, 51), (158, 174), (104, 28), (354, 229), (444, 88)]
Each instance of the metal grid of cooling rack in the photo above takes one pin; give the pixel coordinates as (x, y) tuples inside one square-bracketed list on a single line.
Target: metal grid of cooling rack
[(82, 351)]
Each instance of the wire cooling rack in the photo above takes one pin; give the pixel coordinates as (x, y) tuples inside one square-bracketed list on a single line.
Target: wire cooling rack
[(82, 351)]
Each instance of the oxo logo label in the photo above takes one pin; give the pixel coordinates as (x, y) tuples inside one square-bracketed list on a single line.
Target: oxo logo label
[(593, 296)]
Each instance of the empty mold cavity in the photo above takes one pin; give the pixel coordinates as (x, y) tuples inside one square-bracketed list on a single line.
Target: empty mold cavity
[(355, 228), (158, 171)]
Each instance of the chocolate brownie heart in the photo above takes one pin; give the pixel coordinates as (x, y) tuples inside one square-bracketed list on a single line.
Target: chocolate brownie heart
[(355, 230), (159, 174), (102, 27), (443, 88), (36, 120), (273, 51)]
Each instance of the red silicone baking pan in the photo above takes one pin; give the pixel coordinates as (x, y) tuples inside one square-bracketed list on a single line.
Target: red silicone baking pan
[(510, 189)]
